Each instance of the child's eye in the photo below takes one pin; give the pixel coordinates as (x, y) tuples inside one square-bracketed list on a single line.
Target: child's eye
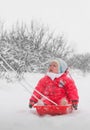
[(54, 65)]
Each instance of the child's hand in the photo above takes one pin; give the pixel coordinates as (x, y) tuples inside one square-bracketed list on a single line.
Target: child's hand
[(75, 104), (31, 104)]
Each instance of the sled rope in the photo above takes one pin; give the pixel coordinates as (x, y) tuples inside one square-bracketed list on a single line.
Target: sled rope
[(19, 82), (26, 83)]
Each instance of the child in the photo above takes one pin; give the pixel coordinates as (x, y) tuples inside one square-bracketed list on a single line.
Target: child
[(57, 85)]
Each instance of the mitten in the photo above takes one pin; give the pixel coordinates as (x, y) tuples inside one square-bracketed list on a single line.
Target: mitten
[(31, 104), (75, 104)]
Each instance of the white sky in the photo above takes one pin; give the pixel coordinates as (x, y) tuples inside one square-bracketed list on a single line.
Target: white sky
[(72, 17)]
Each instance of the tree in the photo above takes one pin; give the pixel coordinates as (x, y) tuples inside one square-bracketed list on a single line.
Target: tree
[(80, 61), (30, 48)]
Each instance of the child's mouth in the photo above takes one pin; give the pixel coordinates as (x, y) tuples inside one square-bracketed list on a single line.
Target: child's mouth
[(50, 70)]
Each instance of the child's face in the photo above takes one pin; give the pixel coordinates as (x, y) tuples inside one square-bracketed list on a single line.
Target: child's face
[(53, 67)]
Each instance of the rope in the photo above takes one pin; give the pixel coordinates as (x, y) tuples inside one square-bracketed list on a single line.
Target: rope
[(26, 83)]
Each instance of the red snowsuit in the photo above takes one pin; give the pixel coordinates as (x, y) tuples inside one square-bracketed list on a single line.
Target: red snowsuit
[(56, 89)]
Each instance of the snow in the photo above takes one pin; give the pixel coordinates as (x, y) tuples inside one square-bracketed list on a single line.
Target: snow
[(16, 115)]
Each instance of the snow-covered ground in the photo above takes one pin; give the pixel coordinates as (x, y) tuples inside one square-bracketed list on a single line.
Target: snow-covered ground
[(16, 115)]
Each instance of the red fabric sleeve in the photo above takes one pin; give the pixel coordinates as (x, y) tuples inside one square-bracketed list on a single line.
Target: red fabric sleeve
[(71, 90), (40, 87)]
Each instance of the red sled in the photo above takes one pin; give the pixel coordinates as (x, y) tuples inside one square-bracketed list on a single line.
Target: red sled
[(54, 110)]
